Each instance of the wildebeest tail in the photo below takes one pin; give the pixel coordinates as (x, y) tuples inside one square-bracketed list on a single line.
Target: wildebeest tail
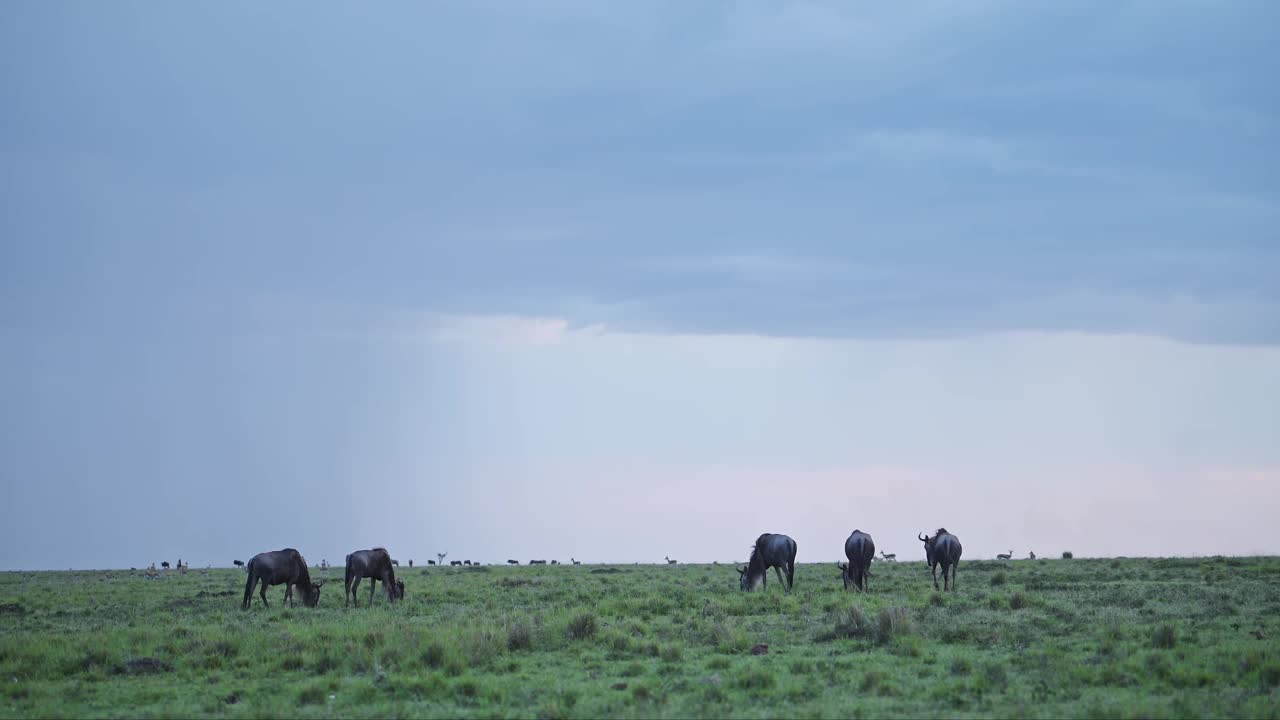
[(248, 584)]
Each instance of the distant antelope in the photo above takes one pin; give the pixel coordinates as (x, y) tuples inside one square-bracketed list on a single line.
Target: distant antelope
[(575, 562), (669, 560), (513, 562), (1009, 556), (1032, 556), (889, 557)]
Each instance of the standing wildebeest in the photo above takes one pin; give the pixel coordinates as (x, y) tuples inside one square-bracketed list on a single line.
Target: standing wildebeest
[(238, 563), (165, 564), (281, 566), (431, 562), (455, 563), (942, 549), (537, 562), (770, 551), (860, 549), (410, 562), (513, 562), (375, 564)]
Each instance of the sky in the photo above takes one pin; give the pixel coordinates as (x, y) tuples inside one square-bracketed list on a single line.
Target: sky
[(622, 281)]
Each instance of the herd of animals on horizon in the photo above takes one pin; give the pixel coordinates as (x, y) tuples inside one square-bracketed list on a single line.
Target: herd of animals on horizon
[(288, 567)]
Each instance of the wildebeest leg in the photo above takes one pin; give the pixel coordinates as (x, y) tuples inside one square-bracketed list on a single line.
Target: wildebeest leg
[(373, 584), (954, 567), (355, 585), (934, 569), (777, 570), (288, 593), (248, 592), (262, 591)]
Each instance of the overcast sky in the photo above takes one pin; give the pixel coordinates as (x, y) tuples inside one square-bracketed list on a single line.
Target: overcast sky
[(626, 280)]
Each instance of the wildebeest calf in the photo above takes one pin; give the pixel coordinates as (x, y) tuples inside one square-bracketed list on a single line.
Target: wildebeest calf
[(277, 567), (375, 564)]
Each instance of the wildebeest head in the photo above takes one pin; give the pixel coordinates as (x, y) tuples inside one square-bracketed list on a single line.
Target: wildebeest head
[(397, 592), (928, 548), (311, 595)]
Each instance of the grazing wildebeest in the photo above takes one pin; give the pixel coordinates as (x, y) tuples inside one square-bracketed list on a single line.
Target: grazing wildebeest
[(455, 563), (281, 566), (555, 562), (537, 562), (1005, 557), (859, 548), (466, 562), (165, 564), (942, 549), (238, 563), (889, 557), (396, 563), (575, 562), (1032, 556), (431, 562), (513, 562), (770, 551), (375, 564)]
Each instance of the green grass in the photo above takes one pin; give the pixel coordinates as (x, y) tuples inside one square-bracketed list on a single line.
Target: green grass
[(1045, 638)]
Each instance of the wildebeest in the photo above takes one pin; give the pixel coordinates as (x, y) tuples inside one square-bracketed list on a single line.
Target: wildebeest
[(277, 567), (410, 562), (395, 563), (770, 551), (238, 563), (375, 564), (431, 562), (466, 562), (1032, 556), (942, 549), (860, 549), (513, 562), (1005, 557), (537, 562), (555, 562), (455, 563), (165, 564)]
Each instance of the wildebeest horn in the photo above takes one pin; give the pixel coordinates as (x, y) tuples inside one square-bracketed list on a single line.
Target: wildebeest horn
[(922, 538), (741, 570)]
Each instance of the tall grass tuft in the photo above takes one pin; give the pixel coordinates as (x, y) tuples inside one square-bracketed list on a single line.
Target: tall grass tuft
[(1164, 637), (582, 626)]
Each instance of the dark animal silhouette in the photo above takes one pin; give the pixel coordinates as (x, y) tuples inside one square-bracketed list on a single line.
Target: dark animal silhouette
[(537, 562), (669, 560), (513, 562), (455, 563), (410, 562), (466, 562), (1005, 557), (889, 557), (431, 562), (395, 563), (555, 562), (770, 551), (375, 564), (860, 549), (238, 563), (575, 562), (277, 567), (1032, 556), (165, 564), (942, 549)]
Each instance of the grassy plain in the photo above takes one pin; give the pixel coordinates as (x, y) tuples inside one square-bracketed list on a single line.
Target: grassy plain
[(1048, 638)]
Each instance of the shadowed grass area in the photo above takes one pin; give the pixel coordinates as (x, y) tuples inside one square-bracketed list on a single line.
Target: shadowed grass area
[(1045, 638)]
